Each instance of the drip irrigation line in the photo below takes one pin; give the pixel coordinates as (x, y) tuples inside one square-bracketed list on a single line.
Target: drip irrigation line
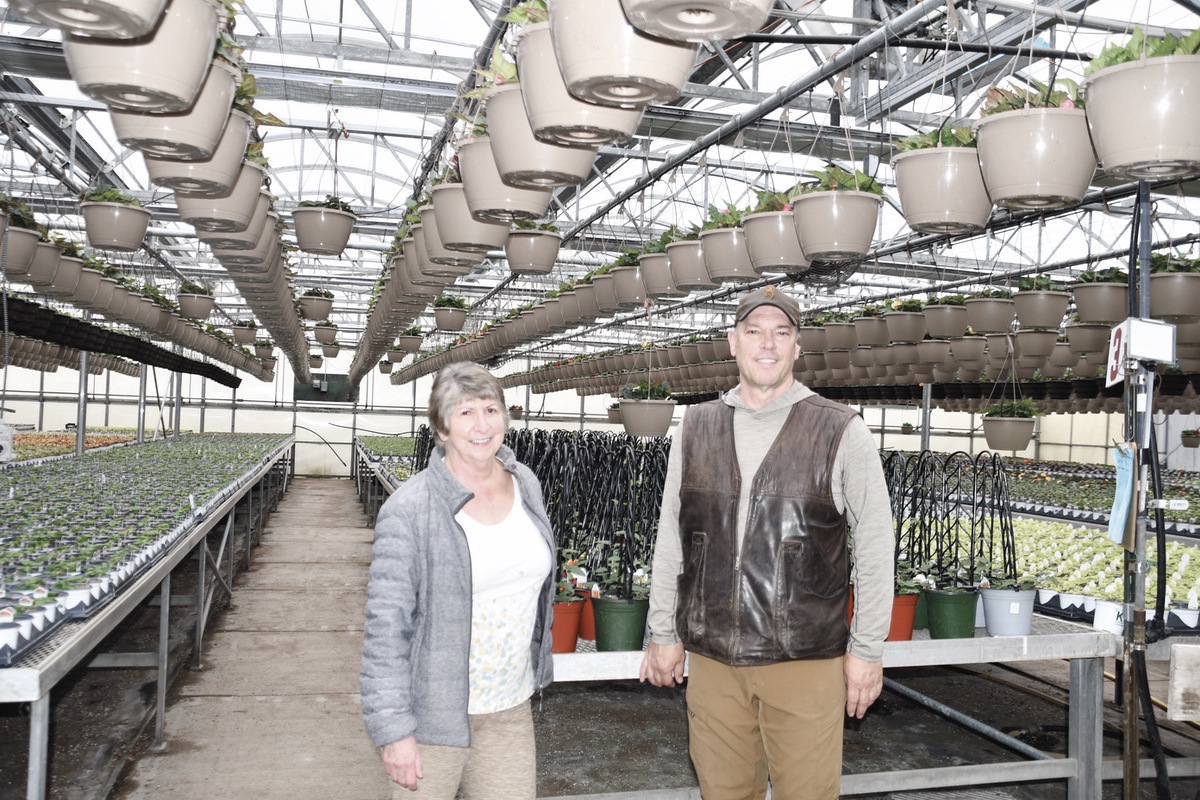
[(323, 439)]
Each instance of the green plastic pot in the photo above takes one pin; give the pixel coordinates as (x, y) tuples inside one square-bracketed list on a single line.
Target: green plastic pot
[(620, 624), (951, 614)]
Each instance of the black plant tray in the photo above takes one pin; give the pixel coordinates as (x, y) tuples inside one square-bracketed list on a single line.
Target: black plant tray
[(9, 657)]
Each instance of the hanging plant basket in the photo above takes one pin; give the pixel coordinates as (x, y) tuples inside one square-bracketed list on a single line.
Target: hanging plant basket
[(1104, 303), (836, 226), (322, 231), (159, 72), (686, 260), (990, 314), (458, 229), (1175, 296), (1189, 440), (20, 246), (44, 265), (1043, 310), (244, 335), (109, 19), (614, 416), (522, 159), (316, 309), (630, 288), (1143, 117), (409, 344), (385, 367), (232, 212), (66, 278), (773, 243), (450, 319), (1007, 433), (489, 197), (606, 60), (1035, 158), (647, 417), (450, 262), (555, 115), (330, 350), (656, 274), (945, 322), (195, 306), (532, 252), (213, 176), (115, 226), (905, 326), (324, 334), (942, 190), (187, 135), (698, 20), (726, 258), (261, 225)]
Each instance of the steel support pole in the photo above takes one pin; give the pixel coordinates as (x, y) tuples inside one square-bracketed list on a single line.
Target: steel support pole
[(164, 647), (233, 412), (201, 587), (1085, 740), (926, 406), (39, 747), (203, 397), (178, 422), (81, 408), (141, 405)]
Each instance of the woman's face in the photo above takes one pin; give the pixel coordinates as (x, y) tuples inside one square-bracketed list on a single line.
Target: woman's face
[(475, 430)]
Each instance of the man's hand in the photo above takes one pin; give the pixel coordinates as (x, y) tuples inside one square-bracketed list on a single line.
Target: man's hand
[(663, 664), (864, 682), (402, 760)]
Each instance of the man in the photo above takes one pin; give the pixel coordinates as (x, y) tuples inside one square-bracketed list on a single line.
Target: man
[(752, 566)]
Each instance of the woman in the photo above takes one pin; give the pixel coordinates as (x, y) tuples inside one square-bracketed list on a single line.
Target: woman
[(457, 634)]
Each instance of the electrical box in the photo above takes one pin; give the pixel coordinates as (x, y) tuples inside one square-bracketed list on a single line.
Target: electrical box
[(6, 443), (1140, 339)]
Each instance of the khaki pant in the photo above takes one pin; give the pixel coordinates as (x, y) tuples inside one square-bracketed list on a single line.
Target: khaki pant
[(782, 721), (500, 764)]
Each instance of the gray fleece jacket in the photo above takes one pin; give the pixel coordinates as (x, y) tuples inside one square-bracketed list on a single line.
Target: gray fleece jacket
[(417, 635)]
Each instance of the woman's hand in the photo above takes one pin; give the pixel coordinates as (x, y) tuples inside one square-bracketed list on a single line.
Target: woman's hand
[(402, 760)]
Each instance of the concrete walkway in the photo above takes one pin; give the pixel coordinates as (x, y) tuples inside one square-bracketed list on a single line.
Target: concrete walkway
[(275, 711)]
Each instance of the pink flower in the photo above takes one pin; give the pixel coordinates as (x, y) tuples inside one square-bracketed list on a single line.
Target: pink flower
[(787, 206), (1066, 103)]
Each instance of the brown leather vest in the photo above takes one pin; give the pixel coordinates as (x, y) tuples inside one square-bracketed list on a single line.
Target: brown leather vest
[(785, 597)]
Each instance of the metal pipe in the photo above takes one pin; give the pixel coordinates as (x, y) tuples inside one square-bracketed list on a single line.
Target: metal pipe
[(141, 403), (81, 408), (863, 48), (969, 723), (924, 44)]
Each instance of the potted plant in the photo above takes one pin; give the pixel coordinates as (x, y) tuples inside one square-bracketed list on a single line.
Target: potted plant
[(656, 268), (385, 366), (410, 339), (1008, 604), (315, 360), (904, 602), (1034, 148), (950, 602), (532, 247), (606, 60), (620, 609), (323, 226), (325, 332), (440, 261), (647, 408), (215, 175), (990, 311), (22, 233), (905, 321), (614, 413), (685, 256), (159, 72), (489, 197), (195, 300), (244, 331), (113, 220), (1009, 425), (330, 350), (723, 243), (946, 316), (1102, 296), (627, 281), (1041, 303), (264, 348), (836, 216), (1174, 288), (230, 211), (1190, 437), (1139, 112), (555, 115), (316, 303), (700, 21), (450, 312), (458, 229), (771, 236), (515, 412), (940, 183), (110, 19), (568, 608)]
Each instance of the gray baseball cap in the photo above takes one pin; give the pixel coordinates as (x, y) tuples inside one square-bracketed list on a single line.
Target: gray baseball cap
[(769, 296)]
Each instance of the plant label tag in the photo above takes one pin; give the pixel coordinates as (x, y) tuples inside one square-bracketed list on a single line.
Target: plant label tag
[(1014, 607), (192, 501)]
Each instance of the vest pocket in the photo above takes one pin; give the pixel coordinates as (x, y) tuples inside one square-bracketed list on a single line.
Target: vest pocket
[(689, 619), (810, 600)]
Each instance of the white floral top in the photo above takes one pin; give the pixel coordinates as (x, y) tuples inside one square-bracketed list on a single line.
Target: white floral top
[(509, 565)]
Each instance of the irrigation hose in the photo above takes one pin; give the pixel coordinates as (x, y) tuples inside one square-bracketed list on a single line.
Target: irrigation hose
[(1156, 629), (1162, 783)]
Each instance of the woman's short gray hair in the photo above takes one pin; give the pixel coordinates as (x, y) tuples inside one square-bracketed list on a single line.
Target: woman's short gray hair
[(453, 384)]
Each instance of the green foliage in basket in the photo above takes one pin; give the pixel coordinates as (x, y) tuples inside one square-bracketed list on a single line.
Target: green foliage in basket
[(1064, 94), (449, 301), (108, 194), (945, 136), (330, 202), (647, 390), (834, 178), (1140, 45), (1023, 409)]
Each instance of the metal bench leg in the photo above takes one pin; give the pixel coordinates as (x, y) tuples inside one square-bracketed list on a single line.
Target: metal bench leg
[(39, 741)]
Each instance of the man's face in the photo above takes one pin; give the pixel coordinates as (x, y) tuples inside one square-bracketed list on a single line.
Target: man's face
[(765, 345)]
